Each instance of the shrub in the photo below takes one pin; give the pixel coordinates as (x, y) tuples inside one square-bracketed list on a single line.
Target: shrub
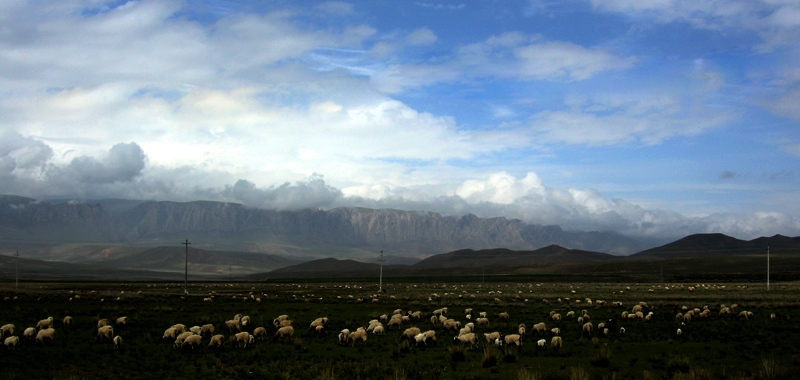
[(457, 353), (524, 374), (677, 364), (489, 356), (602, 358), (578, 374), (772, 370)]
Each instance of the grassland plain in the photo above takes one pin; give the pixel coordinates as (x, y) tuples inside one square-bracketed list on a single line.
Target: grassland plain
[(714, 348)]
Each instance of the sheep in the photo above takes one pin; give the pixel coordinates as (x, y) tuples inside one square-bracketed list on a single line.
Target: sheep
[(170, 333), (373, 324), (430, 335), (451, 325), (217, 341), (102, 322), (105, 333), (122, 321), (46, 334), (194, 341), (417, 315), (491, 337), (679, 332), (605, 331), (541, 344), (356, 335), (260, 333), (466, 338), (622, 331), (482, 321), (11, 342), (117, 342), (482, 314), (182, 337), (420, 339), (571, 314), (29, 333), (556, 342), (540, 328), (503, 316), (556, 317), (6, 330), (277, 321), (772, 317), (410, 333), (521, 330), (44, 323), (180, 328), (465, 330), (468, 311), (67, 321), (286, 331), (245, 321), (587, 328), (196, 330), (242, 338), (555, 331), (233, 325), (378, 330), (343, 336)]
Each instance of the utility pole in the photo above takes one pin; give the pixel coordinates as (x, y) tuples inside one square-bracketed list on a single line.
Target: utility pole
[(380, 286), (767, 268), (16, 271), (662, 274), (186, 269)]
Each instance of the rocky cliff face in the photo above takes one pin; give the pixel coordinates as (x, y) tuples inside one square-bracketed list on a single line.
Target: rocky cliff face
[(404, 233)]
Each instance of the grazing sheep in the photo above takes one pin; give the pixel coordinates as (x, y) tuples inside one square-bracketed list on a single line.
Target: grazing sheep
[(541, 344), (540, 328), (378, 330), (104, 334), (260, 333), (182, 337), (420, 339), (679, 332), (102, 322), (286, 331), (521, 330), (556, 343), (772, 317), (11, 342), (196, 330), (67, 321), (556, 317), (180, 328), (277, 321), (482, 321), (217, 341), (6, 330), (117, 342), (587, 328), (410, 333), (622, 331), (29, 333), (555, 331), (359, 334), (193, 342), (514, 339), (170, 333), (466, 338), (571, 314), (504, 316), (44, 323), (465, 330), (245, 321), (46, 334), (343, 336), (242, 338), (491, 337), (482, 314), (122, 321), (430, 336), (233, 325), (605, 331)]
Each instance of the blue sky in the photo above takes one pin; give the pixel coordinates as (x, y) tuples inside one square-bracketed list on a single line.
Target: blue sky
[(648, 118)]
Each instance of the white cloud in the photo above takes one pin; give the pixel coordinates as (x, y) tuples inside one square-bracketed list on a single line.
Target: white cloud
[(422, 36)]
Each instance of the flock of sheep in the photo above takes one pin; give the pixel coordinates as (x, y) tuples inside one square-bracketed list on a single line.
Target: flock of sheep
[(470, 329)]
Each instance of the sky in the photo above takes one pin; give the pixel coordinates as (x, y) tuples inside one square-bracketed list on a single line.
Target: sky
[(650, 118)]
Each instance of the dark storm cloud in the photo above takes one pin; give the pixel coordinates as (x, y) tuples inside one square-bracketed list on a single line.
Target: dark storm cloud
[(123, 163), (311, 193)]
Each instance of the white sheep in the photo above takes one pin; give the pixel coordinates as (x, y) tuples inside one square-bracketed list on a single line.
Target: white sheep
[(67, 321), (11, 342), (233, 325), (430, 336), (122, 321), (360, 334), (46, 334), (117, 342), (194, 341), (420, 338), (286, 331), (556, 342), (44, 323), (482, 321), (343, 336), (260, 333), (242, 338), (104, 333), (207, 329), (491, 337), (29, 333), (170, 333), (217, 341), (514, 339), (466, 338), (555, 331), (196, 330), (541, 344), (679, 332), (182, 337)]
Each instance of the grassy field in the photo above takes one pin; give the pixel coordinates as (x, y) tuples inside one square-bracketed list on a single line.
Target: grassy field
[(714, 348)]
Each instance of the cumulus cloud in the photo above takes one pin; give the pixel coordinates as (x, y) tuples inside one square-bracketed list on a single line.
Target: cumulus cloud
[(310, 193)]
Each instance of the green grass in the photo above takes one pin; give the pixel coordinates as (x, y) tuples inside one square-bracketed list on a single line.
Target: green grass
[(718, 348)]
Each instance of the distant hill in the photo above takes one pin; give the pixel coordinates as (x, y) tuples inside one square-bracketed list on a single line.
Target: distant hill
[(31, 269), (172, 259), (709, 245), (552, 254)]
